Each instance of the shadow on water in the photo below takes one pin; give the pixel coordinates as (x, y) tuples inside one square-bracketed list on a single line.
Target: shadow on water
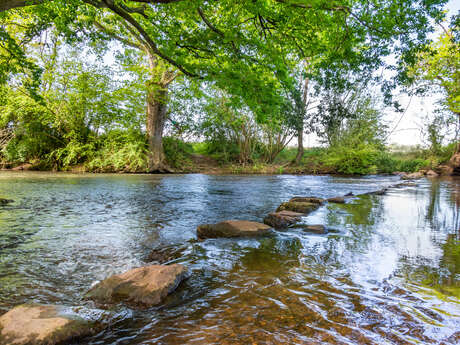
[(387, 274)]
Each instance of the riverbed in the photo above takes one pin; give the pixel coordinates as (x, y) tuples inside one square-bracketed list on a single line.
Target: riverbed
[(387, 273)]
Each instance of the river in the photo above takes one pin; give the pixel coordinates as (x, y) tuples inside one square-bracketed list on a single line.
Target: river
[(389, 273)]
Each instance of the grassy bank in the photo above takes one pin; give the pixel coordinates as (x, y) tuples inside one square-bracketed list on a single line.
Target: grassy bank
[(125, 151)]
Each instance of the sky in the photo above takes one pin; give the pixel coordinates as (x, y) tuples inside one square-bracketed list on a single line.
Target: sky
[(406, 129)]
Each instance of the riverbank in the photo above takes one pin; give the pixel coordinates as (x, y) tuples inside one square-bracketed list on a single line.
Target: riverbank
[(197, 163)]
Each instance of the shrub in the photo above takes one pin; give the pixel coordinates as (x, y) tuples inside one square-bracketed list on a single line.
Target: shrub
[(348, 161), (120, 151)]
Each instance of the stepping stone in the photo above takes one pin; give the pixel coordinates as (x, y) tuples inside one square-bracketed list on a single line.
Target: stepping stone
[(317, 228), (232, 228), (47, 324), (142, 287), (337, 200), (298, 206), (282, 219), (307, 199)]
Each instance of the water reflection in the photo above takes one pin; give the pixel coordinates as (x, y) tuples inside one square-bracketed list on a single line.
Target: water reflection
[(389, 274)]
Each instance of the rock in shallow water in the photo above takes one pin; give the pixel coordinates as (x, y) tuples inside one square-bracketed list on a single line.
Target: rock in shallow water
[(143, 286), (337, 200), (311, 199), (298, 206), (413, 176), (282, 219), (36, 324), (232, 228)]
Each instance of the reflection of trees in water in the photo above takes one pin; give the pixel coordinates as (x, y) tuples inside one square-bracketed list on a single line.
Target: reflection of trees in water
[(442, 277), (443, 217), (273, 255), (359, 218), (442, 211)]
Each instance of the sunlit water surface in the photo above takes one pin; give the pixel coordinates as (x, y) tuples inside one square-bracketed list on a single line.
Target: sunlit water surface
[(389, 274)]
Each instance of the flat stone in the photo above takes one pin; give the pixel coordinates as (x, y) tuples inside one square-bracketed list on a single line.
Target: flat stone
[(143, 286), (311, 199), (298, 206), (232, 228), (337, 200), (282, 219), (47, 324), (317, 228)]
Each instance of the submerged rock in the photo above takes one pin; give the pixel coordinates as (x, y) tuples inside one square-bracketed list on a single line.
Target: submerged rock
[(337, 200), (282, 219), (298, 206), (46, 325), (378, 192), (317, 228), (232, 228), (405, 184), (311, 199), (5, 201), (143, 286), (164, 254)]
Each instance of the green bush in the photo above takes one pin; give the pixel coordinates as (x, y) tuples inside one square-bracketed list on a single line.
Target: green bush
[(120, 151), (387, 163), (348, 161)]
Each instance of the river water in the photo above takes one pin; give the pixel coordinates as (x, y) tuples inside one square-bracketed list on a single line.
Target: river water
[(389, 273)]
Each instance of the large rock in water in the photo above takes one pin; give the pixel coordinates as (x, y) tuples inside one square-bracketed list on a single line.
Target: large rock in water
[(298, 206), (282, 219), (143, 286), (231, 228), (35, 324), (311, 199)]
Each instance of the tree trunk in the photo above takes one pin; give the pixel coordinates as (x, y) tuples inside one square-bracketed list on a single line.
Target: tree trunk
[(156, 117), (299, 156)]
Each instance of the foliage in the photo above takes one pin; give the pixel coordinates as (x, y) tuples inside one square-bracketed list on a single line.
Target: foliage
[(120, 151), (177, 152), (440, 65)]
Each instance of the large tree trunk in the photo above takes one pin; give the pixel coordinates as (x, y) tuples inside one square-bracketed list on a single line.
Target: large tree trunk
[(156, 117)]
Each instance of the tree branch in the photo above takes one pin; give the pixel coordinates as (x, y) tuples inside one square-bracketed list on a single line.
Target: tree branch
[(113, 35), (6, 5), (208, 23), (152, 46)]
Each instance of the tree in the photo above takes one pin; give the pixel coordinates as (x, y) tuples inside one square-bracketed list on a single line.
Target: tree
[(237, 44), (439, 66)]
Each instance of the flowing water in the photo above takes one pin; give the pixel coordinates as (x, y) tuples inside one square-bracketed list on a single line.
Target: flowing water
[(389, 273)]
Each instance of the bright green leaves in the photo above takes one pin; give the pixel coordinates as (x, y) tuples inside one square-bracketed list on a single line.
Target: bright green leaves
[(440, 65)]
